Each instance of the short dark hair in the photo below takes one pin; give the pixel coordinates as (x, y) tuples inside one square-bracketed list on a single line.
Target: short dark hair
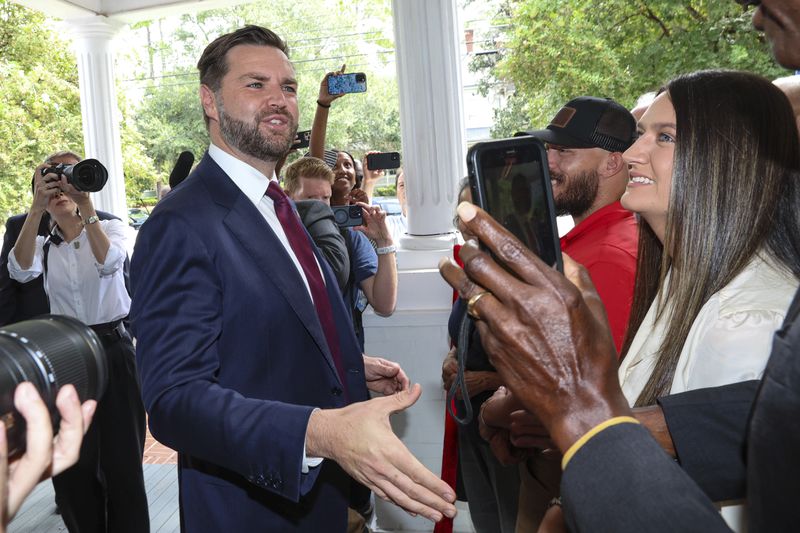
[(213, 64)]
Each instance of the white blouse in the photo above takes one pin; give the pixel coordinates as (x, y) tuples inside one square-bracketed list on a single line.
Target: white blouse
[(729, 341), (76, 284)]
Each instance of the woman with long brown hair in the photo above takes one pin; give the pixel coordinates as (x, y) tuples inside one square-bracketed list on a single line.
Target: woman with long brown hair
[(714, 179)]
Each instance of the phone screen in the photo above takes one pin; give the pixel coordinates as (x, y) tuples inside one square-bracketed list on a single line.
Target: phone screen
[(511, 182)]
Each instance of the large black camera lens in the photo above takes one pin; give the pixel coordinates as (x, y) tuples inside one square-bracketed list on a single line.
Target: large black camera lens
[(49, 352), (88, 176)]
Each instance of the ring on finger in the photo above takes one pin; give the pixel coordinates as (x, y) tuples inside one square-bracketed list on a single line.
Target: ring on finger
[(472, 302)]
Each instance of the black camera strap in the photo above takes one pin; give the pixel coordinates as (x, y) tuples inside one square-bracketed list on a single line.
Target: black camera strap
[(52, 238), (465, 330)]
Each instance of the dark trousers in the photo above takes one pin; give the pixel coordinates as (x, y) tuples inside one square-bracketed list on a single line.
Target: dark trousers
[(104, 492), (492, 489)]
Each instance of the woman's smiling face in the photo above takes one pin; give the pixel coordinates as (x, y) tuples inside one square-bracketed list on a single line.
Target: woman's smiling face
[(650, 160)]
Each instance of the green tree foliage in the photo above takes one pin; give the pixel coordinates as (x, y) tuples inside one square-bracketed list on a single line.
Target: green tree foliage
[(39, 102), (321, 36), (40, 109), (555, 50)]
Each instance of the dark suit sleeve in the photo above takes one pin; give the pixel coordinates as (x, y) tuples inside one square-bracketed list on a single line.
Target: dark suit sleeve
[(622, 481), (8, 291), (318, 220), (708, 428), (177, 317), (126, 267)]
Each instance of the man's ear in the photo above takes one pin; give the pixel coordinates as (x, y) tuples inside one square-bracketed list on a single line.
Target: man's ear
[(613, 164), (209, 102)]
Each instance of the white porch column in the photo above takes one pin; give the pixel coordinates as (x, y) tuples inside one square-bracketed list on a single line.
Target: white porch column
[(92, 39), (432, 126), (431, 116)]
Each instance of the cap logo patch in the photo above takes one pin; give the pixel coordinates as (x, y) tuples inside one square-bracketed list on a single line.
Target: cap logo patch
[(563, 117)]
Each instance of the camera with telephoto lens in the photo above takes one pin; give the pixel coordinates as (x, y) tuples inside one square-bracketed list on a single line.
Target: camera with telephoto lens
[(87, 176), (50, 352)]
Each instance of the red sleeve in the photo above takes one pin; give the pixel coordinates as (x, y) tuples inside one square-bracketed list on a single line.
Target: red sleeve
[(614, 283)]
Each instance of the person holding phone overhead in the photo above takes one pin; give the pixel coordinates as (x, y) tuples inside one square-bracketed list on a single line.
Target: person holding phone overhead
[(372, 251)]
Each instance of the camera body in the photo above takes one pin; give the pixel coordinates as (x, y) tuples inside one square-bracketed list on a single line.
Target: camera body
[(348, 216), (87, 176)]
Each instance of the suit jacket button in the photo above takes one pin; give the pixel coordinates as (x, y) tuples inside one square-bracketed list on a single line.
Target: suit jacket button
[(336, 391)]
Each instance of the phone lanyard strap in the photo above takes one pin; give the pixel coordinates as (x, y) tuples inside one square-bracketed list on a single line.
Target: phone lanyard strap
[(464, 335)]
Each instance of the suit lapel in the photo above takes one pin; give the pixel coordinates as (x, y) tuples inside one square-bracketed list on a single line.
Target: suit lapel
[(248, 226)]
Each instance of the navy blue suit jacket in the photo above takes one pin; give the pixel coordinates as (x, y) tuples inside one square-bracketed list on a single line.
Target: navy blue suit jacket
[(233, 360)]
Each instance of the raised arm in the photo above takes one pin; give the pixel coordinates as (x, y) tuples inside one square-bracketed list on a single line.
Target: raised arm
[(319, 128), (43, 190)]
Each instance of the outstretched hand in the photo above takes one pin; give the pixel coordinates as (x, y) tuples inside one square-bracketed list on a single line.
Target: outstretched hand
[(44, 456), (360, 439), (543, 332), (384, 376)]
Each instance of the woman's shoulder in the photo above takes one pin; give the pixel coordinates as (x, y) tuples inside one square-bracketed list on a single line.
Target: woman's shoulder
[(762, 287)]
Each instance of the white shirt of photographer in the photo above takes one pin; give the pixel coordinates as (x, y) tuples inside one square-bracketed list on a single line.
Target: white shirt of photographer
[(76, 284)]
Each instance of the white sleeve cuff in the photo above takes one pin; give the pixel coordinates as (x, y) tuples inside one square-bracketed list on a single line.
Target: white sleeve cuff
[(309, 462)]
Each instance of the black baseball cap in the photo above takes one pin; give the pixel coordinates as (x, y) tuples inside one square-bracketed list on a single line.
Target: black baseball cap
[(590, 122)]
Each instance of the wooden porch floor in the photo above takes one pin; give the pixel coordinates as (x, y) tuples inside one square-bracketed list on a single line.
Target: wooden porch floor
[(161, 482)]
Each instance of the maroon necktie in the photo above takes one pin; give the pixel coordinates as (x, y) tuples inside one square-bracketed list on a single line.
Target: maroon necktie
[(301, 246)]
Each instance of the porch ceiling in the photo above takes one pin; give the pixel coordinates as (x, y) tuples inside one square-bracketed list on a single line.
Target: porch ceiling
[(127, 11)]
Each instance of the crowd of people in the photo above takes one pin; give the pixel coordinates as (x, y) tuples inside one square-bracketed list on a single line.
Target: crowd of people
[(643, 389)]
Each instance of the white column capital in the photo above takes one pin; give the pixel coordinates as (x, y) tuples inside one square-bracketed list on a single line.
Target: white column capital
[(86, 30)]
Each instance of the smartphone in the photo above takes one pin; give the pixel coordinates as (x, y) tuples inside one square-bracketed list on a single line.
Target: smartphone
[(355, 82), (302, 139), (510, 180), (384, 160), (347, 216)]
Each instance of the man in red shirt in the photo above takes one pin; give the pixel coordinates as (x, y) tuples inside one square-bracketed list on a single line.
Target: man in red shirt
[(585, 141)]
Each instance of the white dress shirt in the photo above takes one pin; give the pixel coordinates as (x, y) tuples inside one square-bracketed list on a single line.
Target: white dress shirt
[(76, 284), (253, 184)]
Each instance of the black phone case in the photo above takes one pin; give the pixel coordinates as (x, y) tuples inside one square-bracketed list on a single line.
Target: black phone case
[(305, 139), (475, 157), (383, 161)]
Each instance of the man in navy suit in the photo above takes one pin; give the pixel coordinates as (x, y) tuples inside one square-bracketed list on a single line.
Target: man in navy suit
[(239, 375)]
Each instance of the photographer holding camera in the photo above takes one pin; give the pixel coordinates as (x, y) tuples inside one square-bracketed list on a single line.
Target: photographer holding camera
[(82, 263)]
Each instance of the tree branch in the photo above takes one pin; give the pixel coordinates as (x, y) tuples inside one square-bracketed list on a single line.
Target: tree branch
[(649, 14)]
